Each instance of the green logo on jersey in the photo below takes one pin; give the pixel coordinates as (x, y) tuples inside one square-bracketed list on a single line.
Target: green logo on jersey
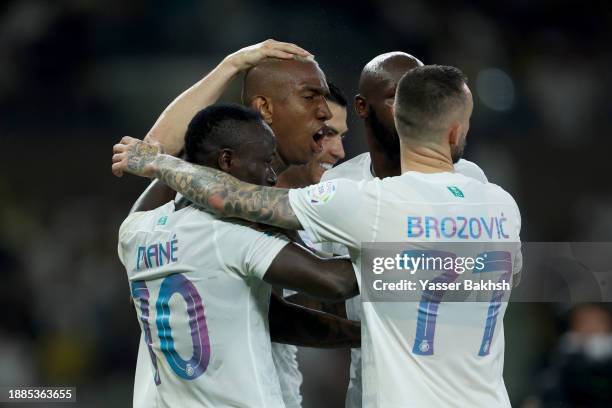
[(162, 220), (455, 191)]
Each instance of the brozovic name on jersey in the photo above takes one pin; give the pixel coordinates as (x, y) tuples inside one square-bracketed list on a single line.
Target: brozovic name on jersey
[(457, 227)]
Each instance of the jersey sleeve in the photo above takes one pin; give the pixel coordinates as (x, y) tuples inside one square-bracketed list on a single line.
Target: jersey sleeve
[(340, 210), (245, 250)]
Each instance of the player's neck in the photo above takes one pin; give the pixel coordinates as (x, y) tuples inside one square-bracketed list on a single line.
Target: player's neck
[(278, 164), (382, 165), (425, 159), (294, 177)]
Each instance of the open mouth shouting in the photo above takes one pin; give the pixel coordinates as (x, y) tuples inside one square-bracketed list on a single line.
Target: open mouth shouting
[(317, 140)]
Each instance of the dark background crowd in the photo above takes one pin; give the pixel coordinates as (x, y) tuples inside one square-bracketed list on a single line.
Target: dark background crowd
[(76, 75)]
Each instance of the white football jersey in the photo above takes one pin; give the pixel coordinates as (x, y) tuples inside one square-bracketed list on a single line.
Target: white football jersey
[(357, 169), (144, 384), (399, 368), (289, 374), (203, 308)]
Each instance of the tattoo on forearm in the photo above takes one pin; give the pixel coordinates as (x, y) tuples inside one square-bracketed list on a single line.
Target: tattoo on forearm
[(227, 196)]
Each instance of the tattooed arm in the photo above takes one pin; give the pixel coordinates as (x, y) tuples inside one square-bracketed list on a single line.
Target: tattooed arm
[(227, 196), (214, 190), (155, 195)]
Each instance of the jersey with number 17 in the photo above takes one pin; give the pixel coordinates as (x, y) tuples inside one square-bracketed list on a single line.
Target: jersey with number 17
[(202, 306), (427, 353)]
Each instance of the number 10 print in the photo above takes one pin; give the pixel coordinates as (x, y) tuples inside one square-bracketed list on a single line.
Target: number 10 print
[(175, 283)]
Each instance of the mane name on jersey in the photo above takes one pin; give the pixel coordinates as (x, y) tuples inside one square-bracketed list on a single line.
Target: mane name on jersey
[(457, 227), (158, 254)]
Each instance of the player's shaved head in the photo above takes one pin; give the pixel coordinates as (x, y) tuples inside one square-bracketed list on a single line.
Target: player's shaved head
[(290, 96), (385, 68), (272, 76), (377, 84)]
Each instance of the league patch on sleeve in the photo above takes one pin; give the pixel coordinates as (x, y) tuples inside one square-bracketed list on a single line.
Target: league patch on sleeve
[(322, 193)]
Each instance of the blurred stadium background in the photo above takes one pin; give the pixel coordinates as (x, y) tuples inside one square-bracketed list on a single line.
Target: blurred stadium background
[(76, 75)]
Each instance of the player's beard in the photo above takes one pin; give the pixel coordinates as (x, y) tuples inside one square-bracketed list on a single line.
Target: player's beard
[(457, 150), (388, 138)]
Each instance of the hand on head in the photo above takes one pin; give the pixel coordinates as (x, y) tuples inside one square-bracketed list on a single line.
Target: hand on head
[(248, 57)]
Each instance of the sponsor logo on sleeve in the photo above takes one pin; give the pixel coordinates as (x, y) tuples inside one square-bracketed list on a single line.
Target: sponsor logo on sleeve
[(322, 193)]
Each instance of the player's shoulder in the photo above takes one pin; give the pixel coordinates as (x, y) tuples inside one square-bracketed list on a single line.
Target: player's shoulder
[(499, 194), (499, 191), (357, 168), (140, 220), (470, 169), (236, 225), (506, 198), (165, 216)]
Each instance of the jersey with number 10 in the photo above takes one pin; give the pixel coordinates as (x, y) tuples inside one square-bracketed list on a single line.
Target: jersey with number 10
[(202, 307), (455, 359)]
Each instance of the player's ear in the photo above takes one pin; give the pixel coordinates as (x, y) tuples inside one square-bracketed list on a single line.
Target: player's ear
[(454, 133), (263, 105), (224, 159), (361, 106)]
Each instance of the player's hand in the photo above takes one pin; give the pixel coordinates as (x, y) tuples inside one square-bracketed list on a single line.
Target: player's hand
[(248, 57), (136, 157)]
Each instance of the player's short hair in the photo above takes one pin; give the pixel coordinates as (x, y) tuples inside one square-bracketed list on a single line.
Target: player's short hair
[(222, 126), (336, 95), (425, 97)]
